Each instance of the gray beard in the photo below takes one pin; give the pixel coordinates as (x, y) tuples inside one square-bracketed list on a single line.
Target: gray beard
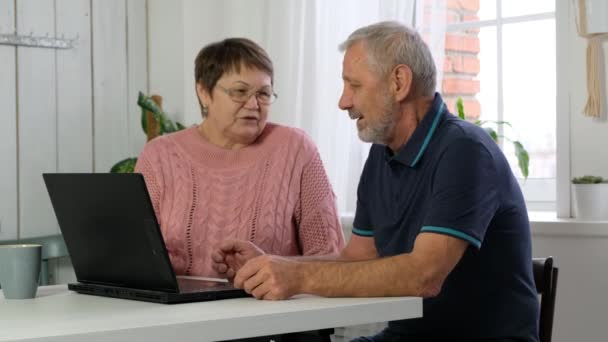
[(382, 131)]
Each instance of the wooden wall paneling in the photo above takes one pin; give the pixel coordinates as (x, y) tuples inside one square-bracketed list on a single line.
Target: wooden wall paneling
[(74, 88), (110, 109), (37, 127), (137, 66), (8, 127)]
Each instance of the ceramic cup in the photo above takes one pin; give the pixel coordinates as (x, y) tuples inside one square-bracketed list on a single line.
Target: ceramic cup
[(19, 270)]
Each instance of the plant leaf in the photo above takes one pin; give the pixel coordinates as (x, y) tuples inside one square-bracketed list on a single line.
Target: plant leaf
[(587, 180), (460, 108), (167, 125), (179, 126), (124, 166), (492, 133), (497, 123), (523, 158), (146, 103)]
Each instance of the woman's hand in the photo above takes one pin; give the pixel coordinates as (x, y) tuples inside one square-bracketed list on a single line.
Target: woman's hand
[(230, 255)]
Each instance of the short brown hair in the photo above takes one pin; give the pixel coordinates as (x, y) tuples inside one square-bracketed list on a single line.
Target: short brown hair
[(229, 55)]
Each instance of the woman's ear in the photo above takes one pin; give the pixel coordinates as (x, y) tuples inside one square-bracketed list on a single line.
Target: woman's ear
[(401, 81), (203, 96)]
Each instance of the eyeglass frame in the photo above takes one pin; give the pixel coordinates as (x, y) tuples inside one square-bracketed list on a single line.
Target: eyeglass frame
[(230, 92)]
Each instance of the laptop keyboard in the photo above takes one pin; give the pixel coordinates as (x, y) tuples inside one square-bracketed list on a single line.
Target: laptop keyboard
[(188, 285)]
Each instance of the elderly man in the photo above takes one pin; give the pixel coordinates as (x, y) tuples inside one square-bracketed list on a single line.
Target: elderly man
[(439, 213)]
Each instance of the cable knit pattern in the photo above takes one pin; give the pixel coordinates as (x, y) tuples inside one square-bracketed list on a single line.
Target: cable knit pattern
[(274, 192)]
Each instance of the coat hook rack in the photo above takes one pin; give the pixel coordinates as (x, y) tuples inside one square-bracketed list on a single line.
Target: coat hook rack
[(38, 41)]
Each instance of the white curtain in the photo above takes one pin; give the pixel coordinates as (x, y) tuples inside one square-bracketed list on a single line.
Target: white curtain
[(302, 38)]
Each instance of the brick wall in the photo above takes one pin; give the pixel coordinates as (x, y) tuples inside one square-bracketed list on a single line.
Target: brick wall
[(461, 63)]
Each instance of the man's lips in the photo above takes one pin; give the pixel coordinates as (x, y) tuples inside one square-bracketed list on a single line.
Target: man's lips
[(354, 115)]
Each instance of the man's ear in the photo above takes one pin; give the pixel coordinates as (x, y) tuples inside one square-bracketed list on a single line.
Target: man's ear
[(401, 81)]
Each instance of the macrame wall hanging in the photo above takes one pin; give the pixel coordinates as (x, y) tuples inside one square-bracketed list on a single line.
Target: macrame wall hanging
[(592, 24)]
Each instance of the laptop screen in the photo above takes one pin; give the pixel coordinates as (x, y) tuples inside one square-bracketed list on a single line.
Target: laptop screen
[(110, 230)]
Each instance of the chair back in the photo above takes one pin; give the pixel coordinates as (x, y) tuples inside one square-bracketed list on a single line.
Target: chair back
[(545, 278)]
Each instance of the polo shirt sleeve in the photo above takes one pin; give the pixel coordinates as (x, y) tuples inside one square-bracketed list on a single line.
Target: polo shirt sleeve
[(362, 225), (463, 192)]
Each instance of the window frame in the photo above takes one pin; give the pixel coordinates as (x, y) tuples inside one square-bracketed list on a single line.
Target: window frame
[(559, 187)]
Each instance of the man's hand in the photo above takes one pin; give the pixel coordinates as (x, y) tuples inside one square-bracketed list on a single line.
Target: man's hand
[(269, 277), (230, 255)]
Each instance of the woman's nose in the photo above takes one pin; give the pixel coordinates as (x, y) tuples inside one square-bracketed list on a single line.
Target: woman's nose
[(252, 102)]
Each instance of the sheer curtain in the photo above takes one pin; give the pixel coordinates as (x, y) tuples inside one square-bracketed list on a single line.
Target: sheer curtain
[(302, 38)]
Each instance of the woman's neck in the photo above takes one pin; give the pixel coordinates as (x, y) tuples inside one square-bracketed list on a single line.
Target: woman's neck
[(215, 137)]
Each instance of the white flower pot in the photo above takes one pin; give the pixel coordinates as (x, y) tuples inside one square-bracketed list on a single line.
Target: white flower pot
[(590, 201)]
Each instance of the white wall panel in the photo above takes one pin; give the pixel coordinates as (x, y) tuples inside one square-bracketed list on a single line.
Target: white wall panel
[(137, 66), (37, 128), (8, 128), (166, 56), (579, 251), (66, 110), (110, 109), (74, 92)]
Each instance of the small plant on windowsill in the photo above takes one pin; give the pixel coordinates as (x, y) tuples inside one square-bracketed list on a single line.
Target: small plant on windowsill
[(590, 198), (588, 180), (523, 158), (154, 122)]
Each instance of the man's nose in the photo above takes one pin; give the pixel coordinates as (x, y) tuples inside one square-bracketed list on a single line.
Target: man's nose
[(345, 101)]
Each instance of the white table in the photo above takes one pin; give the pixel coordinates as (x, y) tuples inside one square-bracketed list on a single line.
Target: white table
[(57, 314)]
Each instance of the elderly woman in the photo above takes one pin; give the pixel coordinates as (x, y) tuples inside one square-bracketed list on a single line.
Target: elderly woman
[(235, 175)]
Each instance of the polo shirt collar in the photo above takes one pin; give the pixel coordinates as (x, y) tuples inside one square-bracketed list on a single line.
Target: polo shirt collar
[(410, 153)]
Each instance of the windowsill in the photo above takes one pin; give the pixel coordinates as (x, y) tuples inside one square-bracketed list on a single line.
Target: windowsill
[(542, 223), (545, 223)]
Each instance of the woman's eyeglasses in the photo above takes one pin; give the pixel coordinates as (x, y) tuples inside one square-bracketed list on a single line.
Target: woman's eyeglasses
[(242, 95)]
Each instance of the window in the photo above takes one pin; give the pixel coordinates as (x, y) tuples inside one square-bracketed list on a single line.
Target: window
[(500, 58)]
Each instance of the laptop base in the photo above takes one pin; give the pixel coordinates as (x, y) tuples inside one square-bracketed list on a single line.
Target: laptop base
[(154, 296)]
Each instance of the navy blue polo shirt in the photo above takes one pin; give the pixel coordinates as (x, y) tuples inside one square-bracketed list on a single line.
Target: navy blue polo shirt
[(451, 178)]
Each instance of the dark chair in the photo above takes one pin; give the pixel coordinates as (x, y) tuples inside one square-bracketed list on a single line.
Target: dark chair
[(323, 335), (545, 277)]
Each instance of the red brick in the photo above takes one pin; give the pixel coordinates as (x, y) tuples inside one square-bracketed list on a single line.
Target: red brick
[(470, 17), (453, 4), (460, 86), (465, 65), (452, 17), (472, 108), (469, 5), (471, 64), (461, 43), (447, 64), (450, 102)]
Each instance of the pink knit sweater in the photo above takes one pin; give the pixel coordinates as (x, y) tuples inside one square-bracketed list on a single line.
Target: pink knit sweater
[(273, 192)]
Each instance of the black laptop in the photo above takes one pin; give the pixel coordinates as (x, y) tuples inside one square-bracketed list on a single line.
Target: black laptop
[(115, 243)]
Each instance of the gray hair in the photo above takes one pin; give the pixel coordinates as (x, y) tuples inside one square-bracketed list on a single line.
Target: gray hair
[(390, 43)]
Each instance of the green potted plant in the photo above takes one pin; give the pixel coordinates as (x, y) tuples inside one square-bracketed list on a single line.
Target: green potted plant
[(590, 198), (523, 158), (154, 122)]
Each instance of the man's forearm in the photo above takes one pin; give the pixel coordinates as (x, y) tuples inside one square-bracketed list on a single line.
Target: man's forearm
[(321, 258), (393, 276)]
